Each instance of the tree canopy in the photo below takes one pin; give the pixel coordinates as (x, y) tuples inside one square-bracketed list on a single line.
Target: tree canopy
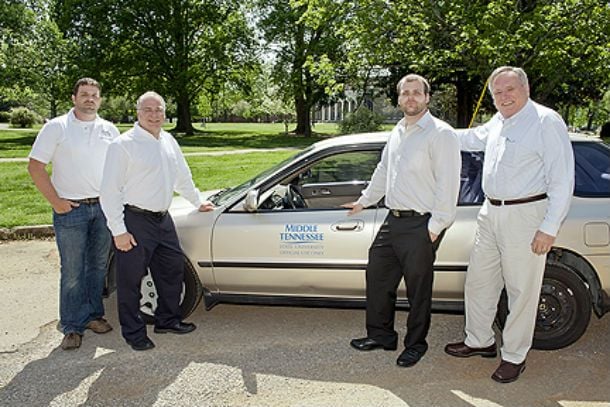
[(204, 50)]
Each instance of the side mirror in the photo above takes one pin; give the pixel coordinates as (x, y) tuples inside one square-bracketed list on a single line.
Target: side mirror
[(251, 201)]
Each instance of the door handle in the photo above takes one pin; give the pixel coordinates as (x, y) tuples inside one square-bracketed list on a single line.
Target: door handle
[(355, 225)]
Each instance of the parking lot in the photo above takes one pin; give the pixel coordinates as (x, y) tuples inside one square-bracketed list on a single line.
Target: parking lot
[(262, 356)]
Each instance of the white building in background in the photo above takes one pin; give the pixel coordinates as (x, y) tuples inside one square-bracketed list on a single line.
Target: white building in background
[(336, 110)]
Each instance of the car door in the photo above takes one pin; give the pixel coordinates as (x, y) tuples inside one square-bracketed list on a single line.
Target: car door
[(309, 251)]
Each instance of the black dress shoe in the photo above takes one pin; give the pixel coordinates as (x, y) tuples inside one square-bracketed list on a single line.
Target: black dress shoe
[(409, 357), (508, 372), (141, 344), (370, 344), (461, 350), (178, 328)]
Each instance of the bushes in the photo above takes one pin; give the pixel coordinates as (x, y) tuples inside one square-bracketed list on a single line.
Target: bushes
[(360, 121), (5, 117), (24, 117)]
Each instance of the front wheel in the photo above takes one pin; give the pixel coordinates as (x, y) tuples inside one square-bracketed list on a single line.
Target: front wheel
[(192, 291), (564, 309)]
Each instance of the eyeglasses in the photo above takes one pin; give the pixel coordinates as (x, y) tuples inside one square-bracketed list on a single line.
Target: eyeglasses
[(151, 110)]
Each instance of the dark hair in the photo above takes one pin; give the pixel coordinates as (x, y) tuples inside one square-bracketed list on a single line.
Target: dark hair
[(85, 81), (413, 78)]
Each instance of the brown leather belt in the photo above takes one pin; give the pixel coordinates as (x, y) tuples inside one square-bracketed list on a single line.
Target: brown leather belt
[(404, 213), (136, 209), (86, 201), (498, 202)]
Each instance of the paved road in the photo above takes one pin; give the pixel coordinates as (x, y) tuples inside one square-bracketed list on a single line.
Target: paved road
[(282, 356)]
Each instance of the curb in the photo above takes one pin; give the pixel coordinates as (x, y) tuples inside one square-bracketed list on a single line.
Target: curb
[(27, 232)]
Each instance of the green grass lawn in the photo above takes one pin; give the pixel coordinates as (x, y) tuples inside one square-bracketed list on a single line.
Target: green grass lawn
[(22, 205), (213, 136)]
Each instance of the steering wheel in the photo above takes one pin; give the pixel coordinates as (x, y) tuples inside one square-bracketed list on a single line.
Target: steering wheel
[(293, 198)]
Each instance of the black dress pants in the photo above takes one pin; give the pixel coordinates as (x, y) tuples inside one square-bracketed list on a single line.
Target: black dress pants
[(159, 251), (401, 249)]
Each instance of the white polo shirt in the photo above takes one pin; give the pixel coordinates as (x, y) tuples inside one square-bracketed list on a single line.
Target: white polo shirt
[(77, 150)]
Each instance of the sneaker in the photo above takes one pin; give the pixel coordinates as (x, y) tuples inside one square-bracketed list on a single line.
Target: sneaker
[(71, 340), (99, 326)]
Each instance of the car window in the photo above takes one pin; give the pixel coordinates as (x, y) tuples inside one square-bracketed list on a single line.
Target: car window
[(345, 167), (327, 183), (471, 192), (592, 170)]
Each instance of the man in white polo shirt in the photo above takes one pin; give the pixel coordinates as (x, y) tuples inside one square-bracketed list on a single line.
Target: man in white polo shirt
[(143, 168), (76, 145)]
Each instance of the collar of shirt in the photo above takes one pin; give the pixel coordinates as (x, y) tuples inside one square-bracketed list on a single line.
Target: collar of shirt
[(140, 132), (518, 119), (423, 122), (74, 120)]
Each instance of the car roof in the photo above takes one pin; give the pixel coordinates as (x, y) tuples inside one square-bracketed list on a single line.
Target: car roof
[(382, 136), (361, 138)]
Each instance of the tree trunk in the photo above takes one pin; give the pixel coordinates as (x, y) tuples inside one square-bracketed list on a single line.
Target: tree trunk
[(183, 115), (465, 102), (303, 116)]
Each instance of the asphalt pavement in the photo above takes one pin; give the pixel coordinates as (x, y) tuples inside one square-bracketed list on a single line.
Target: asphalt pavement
[(280, 356)]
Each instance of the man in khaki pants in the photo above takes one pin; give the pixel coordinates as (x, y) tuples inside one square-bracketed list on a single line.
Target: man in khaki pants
[(528, 179)]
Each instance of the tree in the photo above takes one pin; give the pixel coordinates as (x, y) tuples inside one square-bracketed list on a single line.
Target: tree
[(460, 42), (304, 37), (35, 57), (180, 48)]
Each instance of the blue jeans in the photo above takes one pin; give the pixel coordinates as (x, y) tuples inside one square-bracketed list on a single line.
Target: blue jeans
[(84, 245)]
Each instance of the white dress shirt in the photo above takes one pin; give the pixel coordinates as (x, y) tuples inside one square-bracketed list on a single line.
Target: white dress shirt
[(526, 155), (77, 150), (144, 171), (419, 170)]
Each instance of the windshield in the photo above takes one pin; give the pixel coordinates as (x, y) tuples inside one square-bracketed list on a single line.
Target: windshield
[(225, 195)]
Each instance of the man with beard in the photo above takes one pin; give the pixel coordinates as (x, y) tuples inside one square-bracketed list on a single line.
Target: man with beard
[(419, 175), (76, 144)]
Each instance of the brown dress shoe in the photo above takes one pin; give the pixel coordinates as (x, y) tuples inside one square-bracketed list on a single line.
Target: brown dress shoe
[(71, 341), (508, 372), (99, 326), (461, 350)]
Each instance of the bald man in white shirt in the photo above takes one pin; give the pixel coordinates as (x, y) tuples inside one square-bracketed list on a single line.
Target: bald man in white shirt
[(76, 145), (419, 175), (528, 180), (144, 167)]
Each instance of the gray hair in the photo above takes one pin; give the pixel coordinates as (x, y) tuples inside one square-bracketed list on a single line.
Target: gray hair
[(149, 95), (413, 78), (503, 69)]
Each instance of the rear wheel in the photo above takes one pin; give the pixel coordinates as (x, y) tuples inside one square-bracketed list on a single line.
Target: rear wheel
[(564, 309), (192, 291)]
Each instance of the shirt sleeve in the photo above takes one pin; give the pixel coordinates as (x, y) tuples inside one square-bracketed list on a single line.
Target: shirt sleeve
[(446, 164), (474, 139), (184, 179), (558, 161), (111, 191), (46, 142), (376, 188)]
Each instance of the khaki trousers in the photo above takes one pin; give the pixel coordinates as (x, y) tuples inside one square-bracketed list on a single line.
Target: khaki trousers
[(502, 257)]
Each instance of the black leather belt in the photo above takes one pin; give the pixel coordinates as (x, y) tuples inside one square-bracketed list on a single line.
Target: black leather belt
[(498, 202), (86, 201), (397, 213), (136, 209)]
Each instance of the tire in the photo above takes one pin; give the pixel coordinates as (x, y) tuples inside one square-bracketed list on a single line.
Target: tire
[(192, 291), (564, 309)]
